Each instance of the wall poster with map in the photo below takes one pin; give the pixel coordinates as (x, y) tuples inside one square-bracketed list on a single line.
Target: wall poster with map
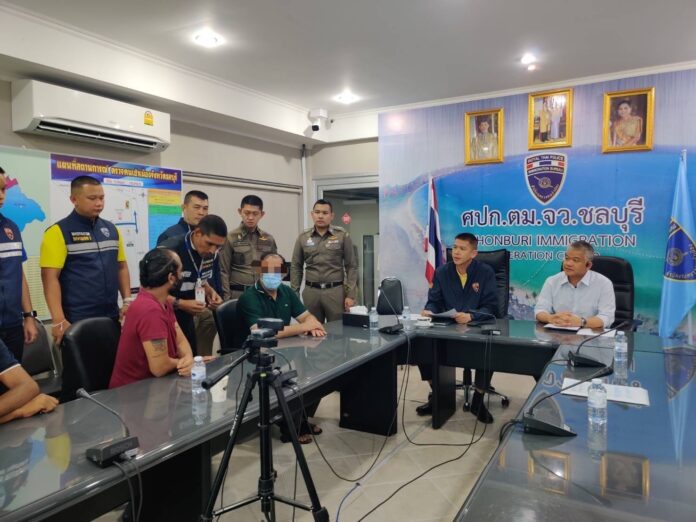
[(141, 200)]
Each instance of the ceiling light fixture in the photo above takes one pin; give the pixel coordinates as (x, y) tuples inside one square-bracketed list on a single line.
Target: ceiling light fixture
[(208, 38), (346, 97), (531, 67), (528, 58)]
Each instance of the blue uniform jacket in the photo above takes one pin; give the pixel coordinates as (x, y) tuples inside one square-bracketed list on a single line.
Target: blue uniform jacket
[(478, 295), (12, 254)]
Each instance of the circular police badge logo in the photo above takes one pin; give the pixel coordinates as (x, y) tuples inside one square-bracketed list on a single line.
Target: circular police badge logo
[(674, 256), (9, 233), (105, 231)]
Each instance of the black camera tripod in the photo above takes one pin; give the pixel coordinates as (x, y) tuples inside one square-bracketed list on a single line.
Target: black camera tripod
[(266, 377)]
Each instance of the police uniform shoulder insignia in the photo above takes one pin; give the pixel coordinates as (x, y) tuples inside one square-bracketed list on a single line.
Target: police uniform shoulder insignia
[(9, 233), (105, 231)]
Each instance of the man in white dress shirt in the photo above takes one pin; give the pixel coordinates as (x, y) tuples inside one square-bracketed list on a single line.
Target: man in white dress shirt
[(577, 296)]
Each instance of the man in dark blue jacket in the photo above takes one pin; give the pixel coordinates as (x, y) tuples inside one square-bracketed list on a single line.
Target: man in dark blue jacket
[(469, 287)]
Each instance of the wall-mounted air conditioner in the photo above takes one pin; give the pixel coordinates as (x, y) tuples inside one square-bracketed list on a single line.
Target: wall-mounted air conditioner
[(42, 108)]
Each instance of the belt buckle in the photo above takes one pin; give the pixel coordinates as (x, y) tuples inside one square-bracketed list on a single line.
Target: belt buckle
[(323, 286)]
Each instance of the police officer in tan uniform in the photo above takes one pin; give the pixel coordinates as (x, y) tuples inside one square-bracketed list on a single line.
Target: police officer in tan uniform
[(325, 255), (245, 244)]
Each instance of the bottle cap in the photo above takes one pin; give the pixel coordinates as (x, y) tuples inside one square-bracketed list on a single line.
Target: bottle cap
[(596, 381), (198, 358)]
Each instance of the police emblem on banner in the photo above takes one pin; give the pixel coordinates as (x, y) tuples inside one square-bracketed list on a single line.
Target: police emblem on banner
[(680, 261), (9, 233), (545, 174), (105, 231)]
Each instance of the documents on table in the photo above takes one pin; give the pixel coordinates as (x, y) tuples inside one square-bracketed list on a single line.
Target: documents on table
[(449, 314), (625, 394), (590, 331), (557, 327)]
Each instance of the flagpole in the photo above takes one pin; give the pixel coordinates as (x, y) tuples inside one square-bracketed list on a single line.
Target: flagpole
[(689, 320)]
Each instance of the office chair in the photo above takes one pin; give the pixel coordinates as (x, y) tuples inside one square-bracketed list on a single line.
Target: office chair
[(38, 361), (229, 327), (499, 261), (89, 352), (620, 272), (390, 300)]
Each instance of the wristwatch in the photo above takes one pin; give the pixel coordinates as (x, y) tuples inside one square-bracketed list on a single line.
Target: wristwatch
[(583, 322), (29, 314)]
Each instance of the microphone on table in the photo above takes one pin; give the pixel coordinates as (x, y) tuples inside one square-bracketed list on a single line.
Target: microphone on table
[(576, 360), (536, 425), (122, 448), (487, 324)]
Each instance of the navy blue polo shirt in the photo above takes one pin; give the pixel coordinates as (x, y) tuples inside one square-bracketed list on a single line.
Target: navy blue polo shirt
[(12, 255)]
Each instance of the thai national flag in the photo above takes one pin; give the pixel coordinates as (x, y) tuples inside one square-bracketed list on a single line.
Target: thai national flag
[(433, 247)]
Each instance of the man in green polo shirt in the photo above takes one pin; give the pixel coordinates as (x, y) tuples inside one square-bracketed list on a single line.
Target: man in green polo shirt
[(270, 298)]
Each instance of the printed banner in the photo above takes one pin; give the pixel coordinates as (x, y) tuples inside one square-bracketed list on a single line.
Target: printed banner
[(535, 203)]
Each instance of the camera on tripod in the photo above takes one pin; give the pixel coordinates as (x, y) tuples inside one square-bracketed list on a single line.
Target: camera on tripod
[(265, 335)]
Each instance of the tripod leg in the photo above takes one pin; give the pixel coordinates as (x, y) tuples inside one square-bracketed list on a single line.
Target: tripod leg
[(224, 463), (320, 513), (267, 477)]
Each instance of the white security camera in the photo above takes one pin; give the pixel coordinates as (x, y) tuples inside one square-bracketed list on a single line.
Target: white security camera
[(318, 118)]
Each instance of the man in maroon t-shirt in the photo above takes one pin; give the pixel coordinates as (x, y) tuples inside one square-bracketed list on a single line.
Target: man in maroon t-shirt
[(151, 343)]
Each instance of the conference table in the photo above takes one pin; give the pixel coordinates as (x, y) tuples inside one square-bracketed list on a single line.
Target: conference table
[(642, 466), (45, 474)]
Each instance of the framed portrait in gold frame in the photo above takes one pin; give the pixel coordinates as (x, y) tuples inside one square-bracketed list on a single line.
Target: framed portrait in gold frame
[(628, 120), (550, 469), (625, 476), (550, 119), (483, 137)]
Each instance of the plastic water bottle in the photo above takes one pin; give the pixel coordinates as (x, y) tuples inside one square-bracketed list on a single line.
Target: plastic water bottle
[(597, 403), (197, 373), (620, 347), (199, 405), (620, 376), (374, 319), (406, 320), (597, 440)]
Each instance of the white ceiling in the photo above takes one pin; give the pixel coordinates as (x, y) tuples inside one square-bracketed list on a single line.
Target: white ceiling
[(391, 52)]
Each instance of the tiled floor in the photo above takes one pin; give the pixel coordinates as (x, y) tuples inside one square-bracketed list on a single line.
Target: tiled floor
[(437, 495)]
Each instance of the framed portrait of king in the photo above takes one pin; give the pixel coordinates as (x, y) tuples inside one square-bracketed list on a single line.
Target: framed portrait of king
[(550, 119), (483, 137)]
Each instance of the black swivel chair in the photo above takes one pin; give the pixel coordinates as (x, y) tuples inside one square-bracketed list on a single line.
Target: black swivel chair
[(89, 352), (38, 361), (620, 273), (229, 327), (391, 297), (499, 261)]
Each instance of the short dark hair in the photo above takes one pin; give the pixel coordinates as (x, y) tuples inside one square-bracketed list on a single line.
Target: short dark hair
[(195, 194), (81, 181), (468, 237), (212, 225), (156, 266), (252, 200), (585, 247), (2, 171), (322, 201)]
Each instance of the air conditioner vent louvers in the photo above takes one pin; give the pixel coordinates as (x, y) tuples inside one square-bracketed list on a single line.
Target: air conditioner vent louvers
[(77, 132)]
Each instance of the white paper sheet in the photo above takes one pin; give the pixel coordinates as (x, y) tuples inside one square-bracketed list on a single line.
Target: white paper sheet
[(625, 394), (590, 331), (566, 328), (449, 314)]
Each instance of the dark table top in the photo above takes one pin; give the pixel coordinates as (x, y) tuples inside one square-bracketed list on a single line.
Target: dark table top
[(642, 467)]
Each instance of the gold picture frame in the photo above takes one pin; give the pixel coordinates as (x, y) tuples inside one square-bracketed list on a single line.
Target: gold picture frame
[(483, 137), (550, 469), (627, 120), (550, 120), (623, 475)]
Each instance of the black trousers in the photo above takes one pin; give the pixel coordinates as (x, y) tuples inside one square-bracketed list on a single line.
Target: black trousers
[(482, 379), (14, 339)]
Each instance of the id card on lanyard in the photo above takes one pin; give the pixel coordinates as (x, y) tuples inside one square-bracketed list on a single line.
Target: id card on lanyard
[(200, 285)]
